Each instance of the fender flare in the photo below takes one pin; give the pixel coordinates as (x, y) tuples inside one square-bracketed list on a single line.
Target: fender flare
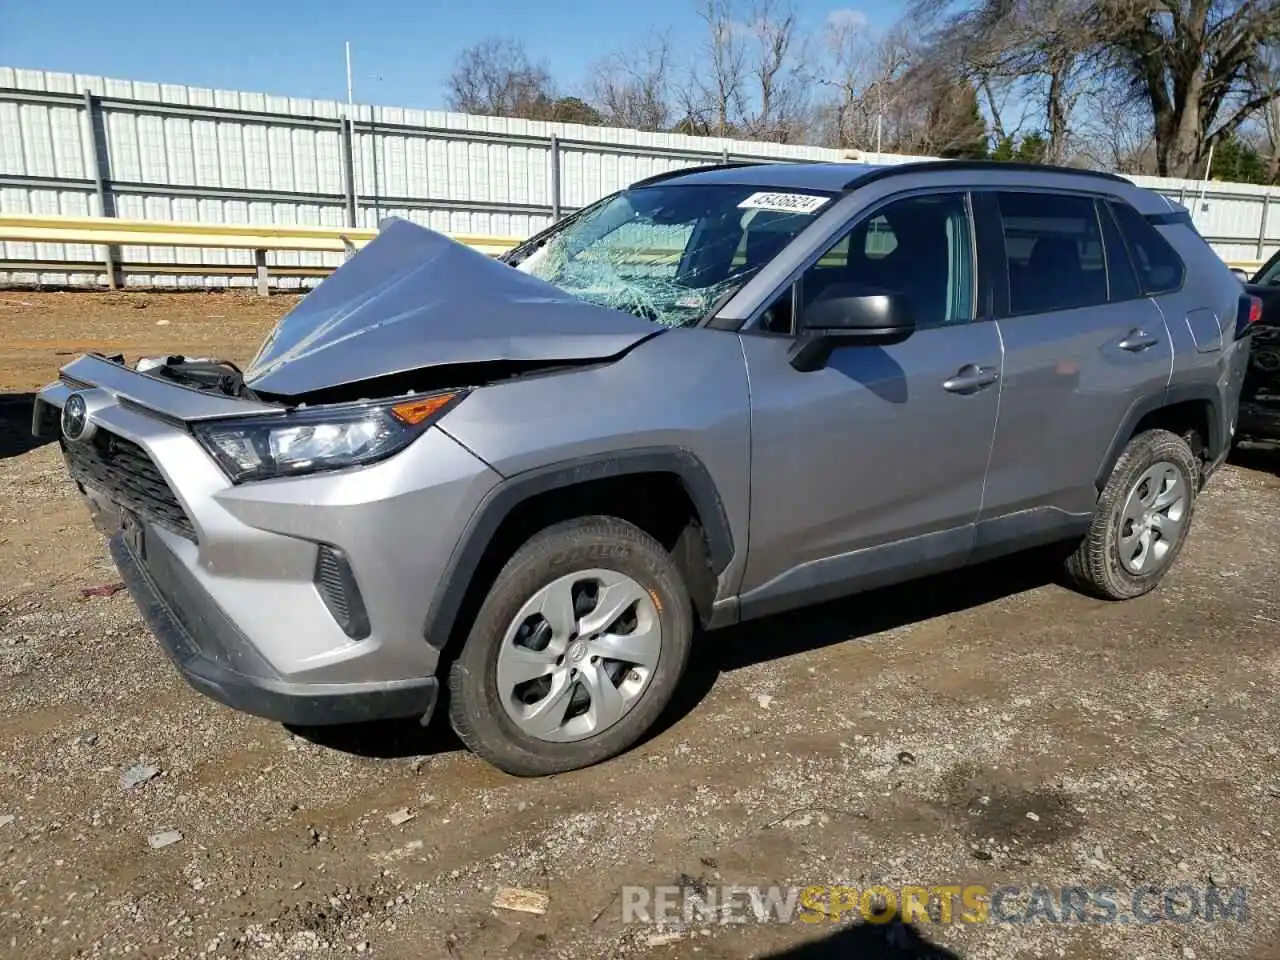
[(498, 504), (1207, 393)]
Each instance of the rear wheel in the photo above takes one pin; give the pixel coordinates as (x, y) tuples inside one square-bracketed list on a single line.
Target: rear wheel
[(1142, 520), (576, 650)]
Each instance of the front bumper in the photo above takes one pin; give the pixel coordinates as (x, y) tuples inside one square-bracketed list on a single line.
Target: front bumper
[(237, 580), (205, 647)]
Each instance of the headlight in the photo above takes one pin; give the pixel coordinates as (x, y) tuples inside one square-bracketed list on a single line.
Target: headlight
[(320, 438)]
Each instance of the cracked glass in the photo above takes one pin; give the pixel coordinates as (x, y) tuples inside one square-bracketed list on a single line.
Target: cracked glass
[(671, 253)]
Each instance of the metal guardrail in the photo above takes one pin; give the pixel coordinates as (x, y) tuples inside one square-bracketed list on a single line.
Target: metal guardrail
[(109, 231), (99, 144), (101, 180)]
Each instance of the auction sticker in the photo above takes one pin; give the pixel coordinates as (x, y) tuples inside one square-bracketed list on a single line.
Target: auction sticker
[(783, 202)]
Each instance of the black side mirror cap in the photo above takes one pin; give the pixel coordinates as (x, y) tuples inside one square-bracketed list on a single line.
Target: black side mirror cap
[(850, 319)]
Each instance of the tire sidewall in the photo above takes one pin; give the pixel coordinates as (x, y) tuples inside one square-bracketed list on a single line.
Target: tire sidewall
[(557, 552)]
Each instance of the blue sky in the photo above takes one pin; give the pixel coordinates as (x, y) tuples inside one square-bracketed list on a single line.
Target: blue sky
[(402, 50)]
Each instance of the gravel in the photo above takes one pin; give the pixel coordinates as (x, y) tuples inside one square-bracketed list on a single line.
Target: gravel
[(1139, 735)]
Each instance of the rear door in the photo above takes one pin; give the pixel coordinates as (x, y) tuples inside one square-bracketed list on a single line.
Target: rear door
[(1081, 345)]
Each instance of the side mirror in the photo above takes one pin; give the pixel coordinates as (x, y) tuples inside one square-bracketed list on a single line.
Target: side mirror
[(849, 319), (1240, 275)]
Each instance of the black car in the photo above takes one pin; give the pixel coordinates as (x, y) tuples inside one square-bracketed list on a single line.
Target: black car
[(1260, 398)]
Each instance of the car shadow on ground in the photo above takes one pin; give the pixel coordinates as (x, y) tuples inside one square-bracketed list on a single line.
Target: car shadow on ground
[(856, 617), (15, 425), (891, 940), (782, 635), (386, 739)]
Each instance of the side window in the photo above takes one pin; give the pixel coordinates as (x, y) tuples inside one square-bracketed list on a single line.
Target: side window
[(1053, 245), (1160, 269), (1122, 282), (920, 247)]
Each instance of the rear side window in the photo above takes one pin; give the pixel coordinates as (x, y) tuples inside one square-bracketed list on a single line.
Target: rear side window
[(1160, 269), (1053, 247), (1122, 280)]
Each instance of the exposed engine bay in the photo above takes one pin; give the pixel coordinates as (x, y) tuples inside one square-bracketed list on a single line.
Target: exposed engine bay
[(200, 373)]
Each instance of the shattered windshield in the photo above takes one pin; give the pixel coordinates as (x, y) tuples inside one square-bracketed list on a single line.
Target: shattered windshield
[(669, 253)]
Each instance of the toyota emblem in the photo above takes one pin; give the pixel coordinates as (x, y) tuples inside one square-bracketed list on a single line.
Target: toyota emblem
[(75, 417)]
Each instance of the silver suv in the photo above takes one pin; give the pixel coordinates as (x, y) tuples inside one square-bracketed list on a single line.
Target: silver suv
[(717, 394)]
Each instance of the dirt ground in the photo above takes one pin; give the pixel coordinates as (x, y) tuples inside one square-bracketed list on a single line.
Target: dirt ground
[(987, 728)]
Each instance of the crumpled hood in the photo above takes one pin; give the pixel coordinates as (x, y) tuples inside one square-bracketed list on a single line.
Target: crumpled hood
[(413, 299)]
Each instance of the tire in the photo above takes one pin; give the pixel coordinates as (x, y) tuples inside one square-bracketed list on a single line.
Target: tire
[(597, 557), (1111, 562)]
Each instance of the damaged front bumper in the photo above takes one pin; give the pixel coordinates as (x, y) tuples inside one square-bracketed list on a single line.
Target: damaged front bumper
[(299, 599), (204, 644)]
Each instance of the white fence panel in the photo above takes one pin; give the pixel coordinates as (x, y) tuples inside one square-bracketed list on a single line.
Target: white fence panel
[(81, 144)]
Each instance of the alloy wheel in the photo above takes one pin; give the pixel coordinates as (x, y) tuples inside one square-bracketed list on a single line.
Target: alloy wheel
[(1151, 522), (578, 655)]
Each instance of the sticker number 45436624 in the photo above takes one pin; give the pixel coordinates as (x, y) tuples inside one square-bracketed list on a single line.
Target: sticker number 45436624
[(783, 202)]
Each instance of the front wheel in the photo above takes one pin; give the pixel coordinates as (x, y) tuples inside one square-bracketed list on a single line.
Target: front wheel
[(1142, 519), (576, 650)]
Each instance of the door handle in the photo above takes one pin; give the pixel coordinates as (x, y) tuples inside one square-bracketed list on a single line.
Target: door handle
[(1138, 340), (971, 378)]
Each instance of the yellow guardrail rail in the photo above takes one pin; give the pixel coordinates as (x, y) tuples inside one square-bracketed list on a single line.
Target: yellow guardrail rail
[(112, 232), (109, 231)]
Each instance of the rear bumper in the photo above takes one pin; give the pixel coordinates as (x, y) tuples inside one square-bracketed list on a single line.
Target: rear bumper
[(219, 661)]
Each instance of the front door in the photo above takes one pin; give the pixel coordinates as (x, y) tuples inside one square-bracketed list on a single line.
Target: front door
[(871, 469)]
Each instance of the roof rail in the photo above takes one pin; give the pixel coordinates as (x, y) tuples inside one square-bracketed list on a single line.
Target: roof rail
[(1010, 165), (669, 174)]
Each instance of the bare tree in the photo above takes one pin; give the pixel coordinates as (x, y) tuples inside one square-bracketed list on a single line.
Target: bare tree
[(1201, 66), (1113, 129), (495, 77), (1041, 49), (1270, 147), (850, 68), (773, 67), (746, 78), (934, 117), (633, 89), (712, 96)]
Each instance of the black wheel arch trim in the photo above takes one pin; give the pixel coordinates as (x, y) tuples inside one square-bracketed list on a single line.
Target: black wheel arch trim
[(498, 504), (1206, 393)]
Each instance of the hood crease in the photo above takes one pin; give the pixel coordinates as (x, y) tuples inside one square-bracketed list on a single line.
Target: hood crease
[(412, 299)]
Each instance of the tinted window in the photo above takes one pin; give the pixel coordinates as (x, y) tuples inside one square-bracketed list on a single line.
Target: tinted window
[(1122, 282), (920, 247), (1159, 266), (1053, 246)]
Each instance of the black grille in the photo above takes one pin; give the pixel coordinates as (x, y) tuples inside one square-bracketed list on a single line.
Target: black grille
[(329, 576), (121, 470), (338, 589)]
